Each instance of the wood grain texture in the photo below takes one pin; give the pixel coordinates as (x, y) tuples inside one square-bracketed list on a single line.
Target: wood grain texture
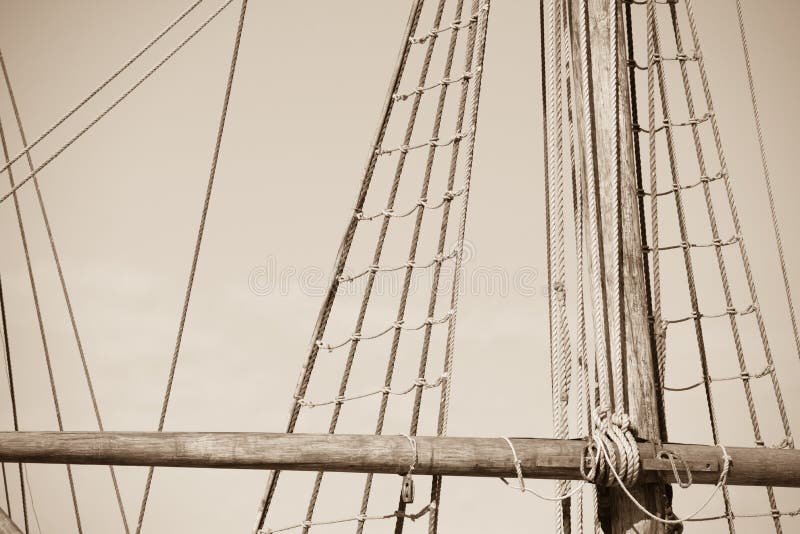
[(446, 456)]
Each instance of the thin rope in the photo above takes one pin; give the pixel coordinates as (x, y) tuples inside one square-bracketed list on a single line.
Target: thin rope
[(63, 283), (767, 179), (344, 251), (196, 254), (28, 147), (114, 104), (13, 395), (386, 390), (361, 518), (378, 250), (40, 323)]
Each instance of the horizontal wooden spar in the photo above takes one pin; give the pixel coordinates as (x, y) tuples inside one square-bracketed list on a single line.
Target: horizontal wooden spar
[(447, 456)]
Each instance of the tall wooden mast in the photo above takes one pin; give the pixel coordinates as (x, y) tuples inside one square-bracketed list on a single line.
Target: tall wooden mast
[(621, 516)]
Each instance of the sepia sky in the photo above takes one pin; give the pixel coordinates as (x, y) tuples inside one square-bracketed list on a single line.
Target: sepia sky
[(125, 202)]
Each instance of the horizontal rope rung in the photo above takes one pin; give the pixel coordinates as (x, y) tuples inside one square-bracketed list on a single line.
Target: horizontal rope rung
[(358, 518), (421, 204), (678, 187), (441, 83), (693, 121), (657, 58), (397, 325), (456, 25), (435, 142), (419, 383), (687, 245), (437, 260), (697, 315), (741, 376)]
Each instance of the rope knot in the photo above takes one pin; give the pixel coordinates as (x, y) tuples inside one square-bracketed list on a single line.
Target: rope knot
[(612, 454)]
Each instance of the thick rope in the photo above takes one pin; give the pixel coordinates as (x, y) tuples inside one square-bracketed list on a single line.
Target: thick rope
[(767, 179), (114, 104), (12, 393), (344, 250), (40, 322), (28, 147), (63, 283), (196, 253)]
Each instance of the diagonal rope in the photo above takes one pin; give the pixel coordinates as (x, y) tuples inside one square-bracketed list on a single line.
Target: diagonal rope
[(765, 170), (479, 43), (413, 249), (40, 322), (28, 147), (687, 257), (365, 300), (63, 283), (12, 393), (344, 251), (115, 103), (198, 243)]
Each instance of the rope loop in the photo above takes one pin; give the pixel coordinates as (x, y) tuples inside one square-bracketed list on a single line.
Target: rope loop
[(611, 449), (666, 454)]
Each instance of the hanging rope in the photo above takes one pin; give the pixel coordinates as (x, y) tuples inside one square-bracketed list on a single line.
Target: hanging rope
[(196, 254)]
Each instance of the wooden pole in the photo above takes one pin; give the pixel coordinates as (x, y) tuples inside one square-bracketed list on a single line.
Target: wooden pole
[(639, 373), (445, 456), (7, 526)]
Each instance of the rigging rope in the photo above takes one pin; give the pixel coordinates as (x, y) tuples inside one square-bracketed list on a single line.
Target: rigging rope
[(198, 243), (115, 103), (40, 322), (28, 147), (13, 394), (765, 171), (62, 281)]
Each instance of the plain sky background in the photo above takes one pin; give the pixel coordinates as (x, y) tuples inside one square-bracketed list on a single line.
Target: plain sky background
[(125, 202)]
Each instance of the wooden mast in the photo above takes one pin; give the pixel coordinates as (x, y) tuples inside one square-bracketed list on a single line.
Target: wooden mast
[(621, 516)]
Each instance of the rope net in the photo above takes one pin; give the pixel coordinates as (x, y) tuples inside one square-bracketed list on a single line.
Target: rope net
[(707, 331), (389, 316)]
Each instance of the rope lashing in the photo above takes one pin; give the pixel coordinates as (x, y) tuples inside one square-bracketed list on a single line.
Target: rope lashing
[(434, 142), (658, 58), (360, 518), (447, 197), (697, 315), (523, 489), (438, 259), (420, 382), (397, 325), (733, 240), (455, 25), (769, 369), (676, 188), (402, 97), (612, 449), (692, 121)]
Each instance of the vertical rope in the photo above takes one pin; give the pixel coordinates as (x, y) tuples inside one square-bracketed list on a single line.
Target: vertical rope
[(40, 322), (63, 283), (592, 194), (344, 250), (765, 170), (449, 361), (196, 253), (13, 395)]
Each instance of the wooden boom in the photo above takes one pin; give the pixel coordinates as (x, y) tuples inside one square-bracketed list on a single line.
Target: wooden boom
[(446, 456)]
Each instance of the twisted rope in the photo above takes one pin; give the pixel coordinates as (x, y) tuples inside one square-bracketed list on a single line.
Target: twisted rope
[(196, 253)]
